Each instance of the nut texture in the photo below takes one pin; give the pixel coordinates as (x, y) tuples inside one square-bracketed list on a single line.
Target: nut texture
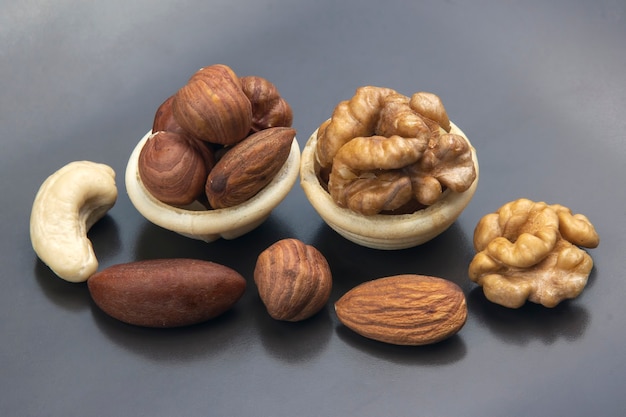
[(212, 106), (404, 309), (269, 109), (209, 225), (164, 118), (248, 167), (166, 292), (67, 204), (379, 154), (294, 280), (528, 250), (430, 106), (382, 231), (174, 168)]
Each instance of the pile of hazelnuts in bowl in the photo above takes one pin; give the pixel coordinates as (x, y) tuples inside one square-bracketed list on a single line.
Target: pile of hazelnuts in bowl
[(220, 156)]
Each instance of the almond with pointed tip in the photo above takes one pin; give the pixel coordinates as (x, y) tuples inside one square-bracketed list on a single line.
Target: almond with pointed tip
[(404, 309), (248, 167)]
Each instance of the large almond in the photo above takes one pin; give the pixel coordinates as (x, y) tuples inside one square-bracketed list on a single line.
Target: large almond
[(404, 309), (248, 167), (166, 292)]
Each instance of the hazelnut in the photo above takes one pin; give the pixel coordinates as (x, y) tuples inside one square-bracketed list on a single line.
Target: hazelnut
[(164, 118), (293, 279), (269, 109), (212, 107), (173, 168)]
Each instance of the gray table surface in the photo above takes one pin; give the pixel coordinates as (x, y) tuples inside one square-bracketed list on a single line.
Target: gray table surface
[(540, 89)]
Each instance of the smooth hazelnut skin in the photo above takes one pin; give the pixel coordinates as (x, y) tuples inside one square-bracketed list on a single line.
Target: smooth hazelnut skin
[(164, 121), (164, 118), (294, 280), (216, 71), (173, 168), (213, 108)]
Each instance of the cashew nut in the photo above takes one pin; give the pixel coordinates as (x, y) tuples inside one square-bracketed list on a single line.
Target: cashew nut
[(67, 204)]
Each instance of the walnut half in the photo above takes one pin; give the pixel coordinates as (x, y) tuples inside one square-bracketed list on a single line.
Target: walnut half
[(528, 251)]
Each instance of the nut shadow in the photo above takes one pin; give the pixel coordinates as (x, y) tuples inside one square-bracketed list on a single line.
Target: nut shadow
[(446, 352), (530, 322), (178, 344), (446, 256), (105, 239), (68, 295), (104, 236), (240, 254), (231, 330), (293, 342)]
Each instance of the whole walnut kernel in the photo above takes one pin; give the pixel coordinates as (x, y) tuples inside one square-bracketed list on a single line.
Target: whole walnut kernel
[(528, 250), (382, 151)]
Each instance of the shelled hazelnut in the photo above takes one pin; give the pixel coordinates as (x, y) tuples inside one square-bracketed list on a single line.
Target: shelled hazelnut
[(214, 111)]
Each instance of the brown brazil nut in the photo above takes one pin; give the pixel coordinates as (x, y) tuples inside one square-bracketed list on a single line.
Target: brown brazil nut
[(166, 292)]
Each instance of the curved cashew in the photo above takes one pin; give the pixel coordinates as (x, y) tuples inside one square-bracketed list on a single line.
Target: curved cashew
[(67, 204)]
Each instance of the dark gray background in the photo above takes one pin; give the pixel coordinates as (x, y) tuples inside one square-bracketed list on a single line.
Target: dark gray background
[(539, 88)]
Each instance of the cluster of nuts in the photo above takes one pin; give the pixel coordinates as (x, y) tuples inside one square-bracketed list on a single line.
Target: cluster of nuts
[(383, 152), (219, 140), (294, 280)]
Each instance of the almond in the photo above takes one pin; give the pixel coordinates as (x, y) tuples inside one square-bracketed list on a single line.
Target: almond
[(248, 167), (404, 309), (166, 292)]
